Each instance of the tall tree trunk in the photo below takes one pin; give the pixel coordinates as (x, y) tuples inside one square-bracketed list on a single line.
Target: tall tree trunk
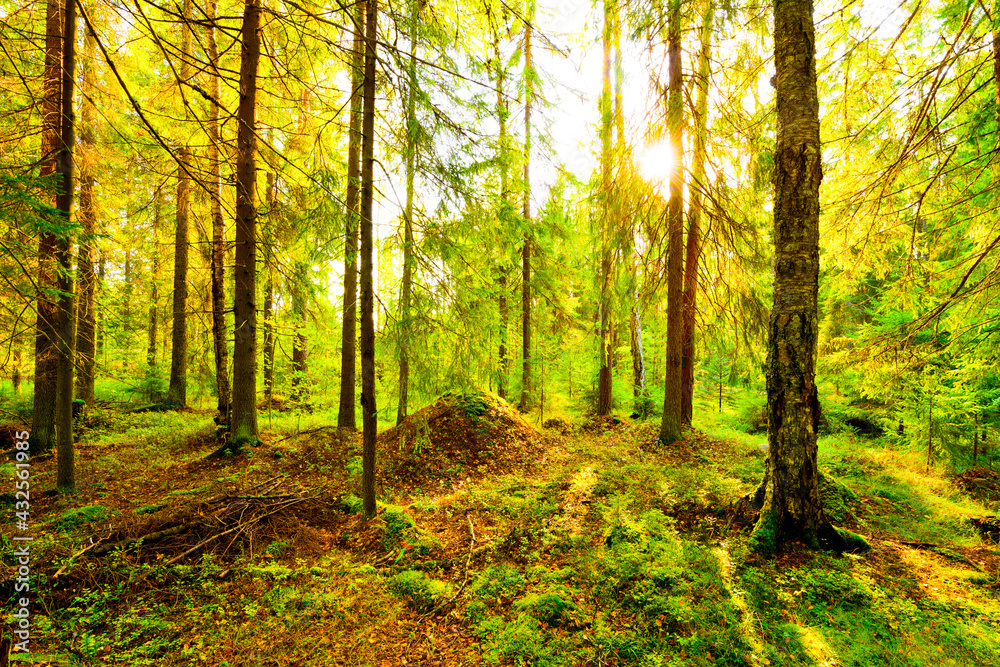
[(65, 472), (792, 508), (218, 226), (349, 337), (694, 229), (86, 319), (43, 434), (268, 314), (153, 331), (300, 344), (640, 394), (99, 336), (177, 393), (670, 426), (243, 427), (15, 376), (405, 326), (604, 384), (525, 402), (504, 215), (369, 414)]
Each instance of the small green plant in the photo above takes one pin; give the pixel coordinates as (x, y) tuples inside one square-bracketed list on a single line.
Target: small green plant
[(149, 509), (397, 524), (554, 606), (277, 548), (355, 466), (351, 504), (78, 516), (420, 590), (499, 582)]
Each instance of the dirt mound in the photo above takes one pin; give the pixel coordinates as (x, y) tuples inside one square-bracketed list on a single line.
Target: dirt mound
[(459, 437)]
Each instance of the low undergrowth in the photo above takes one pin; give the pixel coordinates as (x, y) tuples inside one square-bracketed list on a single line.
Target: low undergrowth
[(609, 550)]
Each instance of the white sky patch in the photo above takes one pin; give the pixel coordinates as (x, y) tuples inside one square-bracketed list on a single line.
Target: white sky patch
[(656, 163), (886, 17)]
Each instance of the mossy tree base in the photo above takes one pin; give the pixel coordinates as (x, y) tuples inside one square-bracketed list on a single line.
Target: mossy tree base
[(234, 447), (771, 531)]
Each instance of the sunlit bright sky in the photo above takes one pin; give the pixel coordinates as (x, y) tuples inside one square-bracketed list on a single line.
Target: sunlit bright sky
[(572, 81)]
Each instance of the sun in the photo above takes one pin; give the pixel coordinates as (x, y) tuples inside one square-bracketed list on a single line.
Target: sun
[(656, 164)]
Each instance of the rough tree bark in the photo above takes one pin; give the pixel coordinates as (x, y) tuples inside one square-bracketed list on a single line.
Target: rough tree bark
[(218, 266), (406, 288), (86, 319), (243, 424), (349, 337), (791, 504), (369, 414), (177, 392), (43, 415), (694, 219), (65, 467), (670, 425)]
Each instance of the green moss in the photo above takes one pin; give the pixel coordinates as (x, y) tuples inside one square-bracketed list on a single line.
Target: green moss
[(554, 606), (838, 499), (853, 543), (78, 516), (764, 538), (420, 590)]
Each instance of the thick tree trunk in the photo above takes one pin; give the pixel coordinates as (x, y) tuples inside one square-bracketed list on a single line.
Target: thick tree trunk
[(43, 434), (218, 226), (86, 317), (792, 508), (369, 414), (66, 470), (694, 227), (405, 325), (670, 426), (525, 403), (604, 379), (349, 337), (177, 393), (243, 425)]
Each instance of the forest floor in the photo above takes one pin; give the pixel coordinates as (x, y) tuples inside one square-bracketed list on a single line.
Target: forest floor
[(495, 542)]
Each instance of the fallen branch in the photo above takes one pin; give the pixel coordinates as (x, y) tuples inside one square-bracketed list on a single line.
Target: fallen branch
[(239, 526), (151, 538), (76, 555)]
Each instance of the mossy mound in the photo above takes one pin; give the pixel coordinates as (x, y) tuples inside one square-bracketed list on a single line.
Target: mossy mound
[(459, 437)]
